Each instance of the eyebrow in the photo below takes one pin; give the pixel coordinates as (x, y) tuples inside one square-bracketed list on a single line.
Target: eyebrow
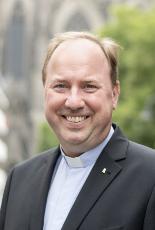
[(57, 80), (90, 81), (61, 79)]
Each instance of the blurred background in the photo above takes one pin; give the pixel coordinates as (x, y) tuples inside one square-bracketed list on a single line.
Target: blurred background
[(25, 30)]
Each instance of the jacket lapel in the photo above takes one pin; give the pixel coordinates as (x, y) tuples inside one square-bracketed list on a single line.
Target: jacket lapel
[(42, 184), (103, 173)]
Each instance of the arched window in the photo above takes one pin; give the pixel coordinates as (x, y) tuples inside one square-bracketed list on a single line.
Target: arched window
[(77, 22), (14, 54)]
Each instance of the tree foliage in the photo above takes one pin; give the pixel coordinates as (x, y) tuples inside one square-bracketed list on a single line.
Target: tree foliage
[(134, 30), (46, 137)]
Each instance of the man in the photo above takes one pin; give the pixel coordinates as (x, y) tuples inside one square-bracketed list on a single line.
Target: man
[(97, 178)]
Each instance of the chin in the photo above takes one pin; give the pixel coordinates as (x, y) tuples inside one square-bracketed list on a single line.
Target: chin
[(74, 140)]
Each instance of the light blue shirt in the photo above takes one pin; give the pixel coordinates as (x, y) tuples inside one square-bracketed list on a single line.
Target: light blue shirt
[(68, 180)]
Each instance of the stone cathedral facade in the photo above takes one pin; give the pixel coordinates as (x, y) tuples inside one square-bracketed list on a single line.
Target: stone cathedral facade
[(25, 29)]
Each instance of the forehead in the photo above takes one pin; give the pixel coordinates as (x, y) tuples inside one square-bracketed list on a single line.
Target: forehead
[(77, 51)]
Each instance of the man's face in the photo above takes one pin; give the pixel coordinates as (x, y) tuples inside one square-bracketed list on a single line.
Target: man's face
[(79, 96)]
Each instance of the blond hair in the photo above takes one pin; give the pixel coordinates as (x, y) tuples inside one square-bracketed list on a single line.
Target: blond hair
[(109, 47)]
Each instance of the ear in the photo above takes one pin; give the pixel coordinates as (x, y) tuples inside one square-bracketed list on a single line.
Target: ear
[(115, 94)]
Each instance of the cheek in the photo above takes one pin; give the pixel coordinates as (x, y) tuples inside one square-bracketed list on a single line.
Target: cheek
[(48, 101), (53, 101), (100, 101), (48, 95)]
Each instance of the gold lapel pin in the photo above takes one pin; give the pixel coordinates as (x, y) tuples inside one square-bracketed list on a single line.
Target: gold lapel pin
[(104, 170)]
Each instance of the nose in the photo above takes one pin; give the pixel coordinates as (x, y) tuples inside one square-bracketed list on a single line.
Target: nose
[(74, 100)]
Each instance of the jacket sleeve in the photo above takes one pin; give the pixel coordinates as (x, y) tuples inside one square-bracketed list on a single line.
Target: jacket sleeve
[(149, 221), (3, 210)]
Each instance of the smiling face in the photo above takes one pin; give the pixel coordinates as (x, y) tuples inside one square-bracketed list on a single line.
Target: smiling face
[(79, 95)]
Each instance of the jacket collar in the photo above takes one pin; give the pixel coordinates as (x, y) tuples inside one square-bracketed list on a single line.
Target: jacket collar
[(117, 146)]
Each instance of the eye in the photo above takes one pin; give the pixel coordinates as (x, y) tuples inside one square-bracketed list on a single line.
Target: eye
[(60, 85), (90, 87)]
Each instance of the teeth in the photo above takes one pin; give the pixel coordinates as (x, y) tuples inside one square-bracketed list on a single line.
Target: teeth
[(75, 119)]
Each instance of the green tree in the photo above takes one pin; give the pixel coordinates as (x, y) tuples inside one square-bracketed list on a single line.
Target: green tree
[(134, 29), (46, 137)]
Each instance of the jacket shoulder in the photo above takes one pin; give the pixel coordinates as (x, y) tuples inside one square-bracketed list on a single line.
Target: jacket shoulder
[(36, 160), (142, 155), (141, 149)]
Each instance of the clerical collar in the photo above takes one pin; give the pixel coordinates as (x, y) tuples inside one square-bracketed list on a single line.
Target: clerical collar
[(89, 157)]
